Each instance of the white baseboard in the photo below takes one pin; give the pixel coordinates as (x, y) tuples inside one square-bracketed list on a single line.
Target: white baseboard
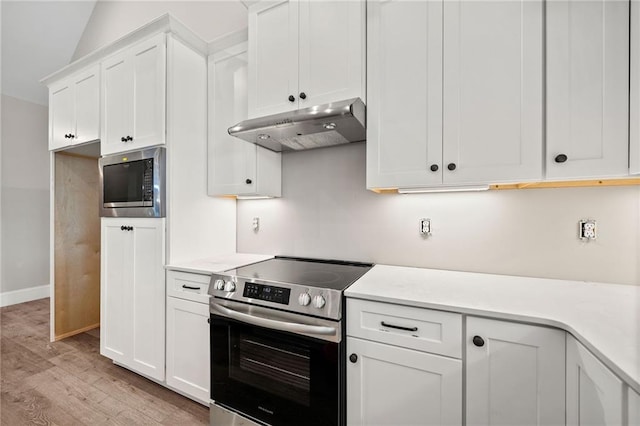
[(24, 295)]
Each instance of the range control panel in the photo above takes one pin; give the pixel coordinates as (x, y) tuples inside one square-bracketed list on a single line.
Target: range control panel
[(267, 292)]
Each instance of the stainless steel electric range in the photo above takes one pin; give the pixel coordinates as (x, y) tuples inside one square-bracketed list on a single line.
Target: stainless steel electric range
[(277, 342)]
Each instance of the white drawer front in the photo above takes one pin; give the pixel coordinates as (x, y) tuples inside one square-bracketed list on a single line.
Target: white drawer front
[(189, 286), (416, 328)]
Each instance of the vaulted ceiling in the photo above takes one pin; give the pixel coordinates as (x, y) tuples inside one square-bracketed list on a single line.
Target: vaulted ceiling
[(38, 38)]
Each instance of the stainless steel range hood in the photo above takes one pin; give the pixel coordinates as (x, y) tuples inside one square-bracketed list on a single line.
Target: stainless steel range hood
[(316, 127)]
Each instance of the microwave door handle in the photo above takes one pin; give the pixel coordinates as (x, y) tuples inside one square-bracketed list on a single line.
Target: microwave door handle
[(273, 324)]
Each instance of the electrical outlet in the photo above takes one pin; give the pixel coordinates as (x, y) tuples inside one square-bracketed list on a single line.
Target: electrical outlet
[(425, 227), (256, 224), (587, 230)]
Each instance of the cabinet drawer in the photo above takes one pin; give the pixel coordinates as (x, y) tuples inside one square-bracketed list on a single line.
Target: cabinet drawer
[(416, 328), (185, 285)]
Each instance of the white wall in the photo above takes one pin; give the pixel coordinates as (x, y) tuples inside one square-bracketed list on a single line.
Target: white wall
[(113, 19), (25, 195), (326, 212)]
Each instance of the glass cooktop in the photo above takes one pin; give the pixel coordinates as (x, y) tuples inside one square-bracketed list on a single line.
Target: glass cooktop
[(331, 274)]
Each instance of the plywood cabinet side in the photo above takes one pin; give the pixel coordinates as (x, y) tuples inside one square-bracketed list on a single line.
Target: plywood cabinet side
[(76, 246)]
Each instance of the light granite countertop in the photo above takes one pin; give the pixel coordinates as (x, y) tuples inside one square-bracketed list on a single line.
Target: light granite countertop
[(603, 317), (217, 263)]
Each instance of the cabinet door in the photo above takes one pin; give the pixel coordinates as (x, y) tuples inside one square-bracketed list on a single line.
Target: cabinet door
[(493, 63), (148, 297), (61, 115), (517, 376), (116, 103), (148, 67), (232, 161), (87, 105), (389, 385), (115, 291), (188, 348), (332, 61), (594, 394), (634, 113), (273, 57), (587, 88), (404, 110)]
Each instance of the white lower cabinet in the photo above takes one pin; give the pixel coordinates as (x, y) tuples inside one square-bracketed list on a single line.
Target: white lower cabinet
[(389, 385), (594, 393), (188, 334), (515, 374), (132, 293), (634, 408)]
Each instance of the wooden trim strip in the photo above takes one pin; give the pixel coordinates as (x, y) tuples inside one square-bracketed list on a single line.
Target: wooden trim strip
[(74, 332)]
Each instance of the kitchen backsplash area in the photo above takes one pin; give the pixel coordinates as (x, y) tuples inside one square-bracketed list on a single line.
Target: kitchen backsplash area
[(326, 212)]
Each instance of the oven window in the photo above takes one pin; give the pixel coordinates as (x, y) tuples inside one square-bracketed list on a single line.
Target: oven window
[(272, 366), (124, 182)]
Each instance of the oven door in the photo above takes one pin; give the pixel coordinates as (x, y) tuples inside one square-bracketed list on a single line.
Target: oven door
[(276, 377)]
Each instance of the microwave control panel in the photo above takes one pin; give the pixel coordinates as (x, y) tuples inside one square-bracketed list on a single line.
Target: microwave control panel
[(267, 292)]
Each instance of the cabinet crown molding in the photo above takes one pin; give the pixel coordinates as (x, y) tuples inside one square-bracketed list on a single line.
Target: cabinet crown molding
[(165, 23)]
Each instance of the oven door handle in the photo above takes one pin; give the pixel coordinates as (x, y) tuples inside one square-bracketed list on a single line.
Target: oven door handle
[(274, 324)]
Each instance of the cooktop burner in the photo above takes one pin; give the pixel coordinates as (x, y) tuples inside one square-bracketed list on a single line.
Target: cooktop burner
[(329, 274)]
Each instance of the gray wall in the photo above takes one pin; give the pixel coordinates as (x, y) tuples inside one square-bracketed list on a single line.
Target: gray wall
[(326, 212), (25, 195)]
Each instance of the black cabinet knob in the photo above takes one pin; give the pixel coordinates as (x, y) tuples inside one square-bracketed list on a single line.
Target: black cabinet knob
[(129, 138), (122, 228), (451, 166), (303, 95), (66, 136), (434, 167), (71, 135), (123, 139), (560, 158), (291, 98), (353, 358), (478, 341), (248, 181)]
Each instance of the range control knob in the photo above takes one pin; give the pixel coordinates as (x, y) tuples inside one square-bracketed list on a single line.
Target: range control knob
[(219, 284), (318, 301), (304, 299), (229, 286)]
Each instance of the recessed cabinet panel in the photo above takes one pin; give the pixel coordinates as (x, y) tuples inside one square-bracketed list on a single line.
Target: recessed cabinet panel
[(587, 88), (149, 93), (116, 92), (389, 385), (188, 348), (515, 374), (331, 36), (87, 106), (594, 393), (404, 110), (493, 63), (61, 115), (273, 57), (634, 407)]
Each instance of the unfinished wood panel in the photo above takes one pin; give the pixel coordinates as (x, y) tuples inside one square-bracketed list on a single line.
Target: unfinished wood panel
[(77, 245)]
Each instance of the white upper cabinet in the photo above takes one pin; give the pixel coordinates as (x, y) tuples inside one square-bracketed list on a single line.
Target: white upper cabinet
[(133, 97), (404, 110), (304, 53), (515, 374), (483, 122), (634, 130), (492, 95), (74, 109), (594, 393), (587, 89), (236, 167)]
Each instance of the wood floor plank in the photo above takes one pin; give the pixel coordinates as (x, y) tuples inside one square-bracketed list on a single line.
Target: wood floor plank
[(69, 383)]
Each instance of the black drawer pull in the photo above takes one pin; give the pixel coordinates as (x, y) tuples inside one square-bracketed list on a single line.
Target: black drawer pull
[(189, 287), (399, 327)]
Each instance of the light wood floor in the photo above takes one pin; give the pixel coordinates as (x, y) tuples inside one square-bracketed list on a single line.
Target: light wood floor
[(70, 383)]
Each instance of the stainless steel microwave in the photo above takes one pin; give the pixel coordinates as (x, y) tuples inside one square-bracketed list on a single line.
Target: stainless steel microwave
[(132, 184)]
